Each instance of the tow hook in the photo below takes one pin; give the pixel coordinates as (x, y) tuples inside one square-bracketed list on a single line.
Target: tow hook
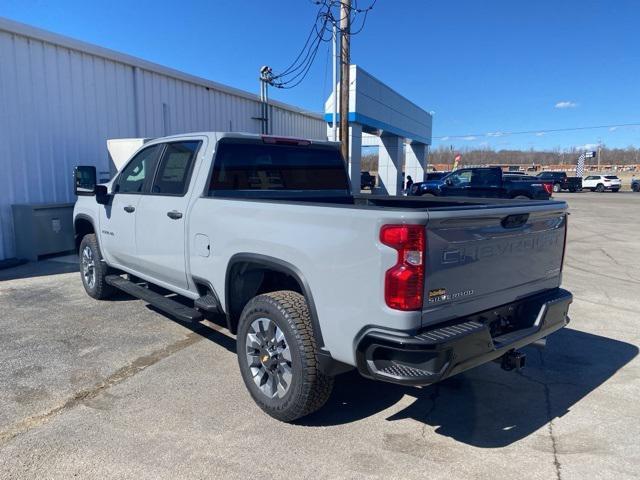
[(513, 360)]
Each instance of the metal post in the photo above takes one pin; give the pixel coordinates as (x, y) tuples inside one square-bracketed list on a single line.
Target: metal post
[(345, 28), (599, 148)]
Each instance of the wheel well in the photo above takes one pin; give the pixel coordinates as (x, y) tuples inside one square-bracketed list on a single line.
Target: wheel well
[(518, 194), (82, 227), (246, 279)]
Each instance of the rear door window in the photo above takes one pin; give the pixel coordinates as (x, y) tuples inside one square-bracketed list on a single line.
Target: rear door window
[(175, 168), (486, 178)]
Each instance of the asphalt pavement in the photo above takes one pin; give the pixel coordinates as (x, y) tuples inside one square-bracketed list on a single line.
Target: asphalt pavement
[(116, 389)]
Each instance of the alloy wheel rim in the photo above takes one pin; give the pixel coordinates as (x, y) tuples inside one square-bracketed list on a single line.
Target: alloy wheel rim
[(88, 267), (269, 358)]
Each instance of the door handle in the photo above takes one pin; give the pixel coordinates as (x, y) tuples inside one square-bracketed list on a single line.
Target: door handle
[(129, 209), (174, 214)]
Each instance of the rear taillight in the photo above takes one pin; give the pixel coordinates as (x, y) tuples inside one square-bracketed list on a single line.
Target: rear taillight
[(548, 187), (404, 282)]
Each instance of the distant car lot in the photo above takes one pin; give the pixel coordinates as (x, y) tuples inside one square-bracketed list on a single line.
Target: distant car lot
[(118, 390)]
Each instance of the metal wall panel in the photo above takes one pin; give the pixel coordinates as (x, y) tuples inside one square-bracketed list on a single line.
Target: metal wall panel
[(60, 100)]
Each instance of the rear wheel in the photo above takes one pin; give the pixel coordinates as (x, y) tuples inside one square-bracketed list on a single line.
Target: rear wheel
[(556, 187), (636, 187), (277, 355), (428, 194), (93, 269), (600, 188)]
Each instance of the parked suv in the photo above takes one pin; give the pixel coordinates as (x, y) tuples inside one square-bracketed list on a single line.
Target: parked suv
[(600, 183)]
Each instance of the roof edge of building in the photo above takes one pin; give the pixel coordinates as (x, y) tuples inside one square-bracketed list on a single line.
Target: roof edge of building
[(28, 31)]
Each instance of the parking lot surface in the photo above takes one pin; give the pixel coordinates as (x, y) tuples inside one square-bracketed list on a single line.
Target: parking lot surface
[(118, 390)]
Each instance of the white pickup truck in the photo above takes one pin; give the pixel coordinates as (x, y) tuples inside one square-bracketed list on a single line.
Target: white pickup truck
[(313, 280)]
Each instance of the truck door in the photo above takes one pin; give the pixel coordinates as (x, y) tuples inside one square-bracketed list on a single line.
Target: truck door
[(486, 183), (118, 219), (457, 184), (161, 220)]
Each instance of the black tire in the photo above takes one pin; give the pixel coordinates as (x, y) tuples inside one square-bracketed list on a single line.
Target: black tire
[(521, 197), (636, 187), (592, 189), (428, 194), (307, 389), (614, 190), (556, 188), (600, 188), (98, 288)]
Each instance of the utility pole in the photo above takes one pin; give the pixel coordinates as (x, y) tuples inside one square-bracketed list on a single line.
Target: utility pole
[(599, 151), (345, 29), (334, 122)]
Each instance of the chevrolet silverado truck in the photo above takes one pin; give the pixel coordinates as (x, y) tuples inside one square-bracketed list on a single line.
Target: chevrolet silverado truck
[(485, 182), (264, 233), (561, 181)]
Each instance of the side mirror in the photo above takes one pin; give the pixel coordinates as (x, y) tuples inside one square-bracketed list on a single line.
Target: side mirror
[(84, 180), (102, 195), (448, 181)]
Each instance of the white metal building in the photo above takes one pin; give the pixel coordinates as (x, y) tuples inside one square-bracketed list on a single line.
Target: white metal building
[(61, 99)]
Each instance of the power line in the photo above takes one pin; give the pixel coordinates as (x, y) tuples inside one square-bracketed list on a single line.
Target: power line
[(528, 132), (320, 32)]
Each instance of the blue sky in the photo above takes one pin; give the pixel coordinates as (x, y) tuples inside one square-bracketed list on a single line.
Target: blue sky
[(484, 67)]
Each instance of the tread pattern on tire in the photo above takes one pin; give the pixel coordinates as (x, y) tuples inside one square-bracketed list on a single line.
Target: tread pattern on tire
[(102, 289), (316, 386)]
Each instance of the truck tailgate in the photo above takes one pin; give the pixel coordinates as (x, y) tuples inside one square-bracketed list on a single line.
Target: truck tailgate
[(480, 259)]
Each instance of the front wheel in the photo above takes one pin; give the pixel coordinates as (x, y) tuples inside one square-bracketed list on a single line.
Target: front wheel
[(614, 190), (93, 269), (277, 355), (636, 187), (600, 188)]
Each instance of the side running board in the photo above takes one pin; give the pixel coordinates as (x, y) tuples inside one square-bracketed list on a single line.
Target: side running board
[(173, 308)]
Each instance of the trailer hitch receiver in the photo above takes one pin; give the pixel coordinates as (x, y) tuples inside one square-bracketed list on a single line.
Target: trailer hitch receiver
[(513, 360)]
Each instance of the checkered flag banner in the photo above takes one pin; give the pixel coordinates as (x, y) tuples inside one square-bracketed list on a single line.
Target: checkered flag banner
[(580, 167)]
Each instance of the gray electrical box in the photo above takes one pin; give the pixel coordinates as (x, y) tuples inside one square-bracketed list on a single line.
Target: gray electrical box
[(43, 229)]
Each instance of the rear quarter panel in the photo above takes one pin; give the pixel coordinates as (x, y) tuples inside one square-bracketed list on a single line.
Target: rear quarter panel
[(337, 249)]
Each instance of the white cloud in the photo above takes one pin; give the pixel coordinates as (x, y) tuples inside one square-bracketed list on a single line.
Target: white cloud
[(540, 134), (470, 138), (444, 139), (587, 146), (495, 134), (613, 129), (566, 104)]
